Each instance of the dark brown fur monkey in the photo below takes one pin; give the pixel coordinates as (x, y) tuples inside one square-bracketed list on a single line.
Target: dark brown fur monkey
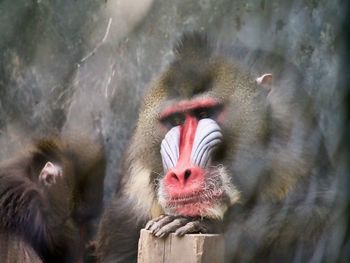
[(219, 148), (49, 196)]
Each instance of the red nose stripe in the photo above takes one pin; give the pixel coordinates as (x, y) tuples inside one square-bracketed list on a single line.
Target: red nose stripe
[(187, 134)]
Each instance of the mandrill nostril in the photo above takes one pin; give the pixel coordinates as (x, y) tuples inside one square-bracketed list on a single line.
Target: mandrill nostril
[(173, 175), (187, 174)]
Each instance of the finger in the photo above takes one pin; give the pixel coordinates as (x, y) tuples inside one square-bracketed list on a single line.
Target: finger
[(162, 222), (151, 222), (171, 227), (191, 227)]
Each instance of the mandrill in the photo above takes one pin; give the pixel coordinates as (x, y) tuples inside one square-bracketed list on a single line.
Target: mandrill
[(222, 147)]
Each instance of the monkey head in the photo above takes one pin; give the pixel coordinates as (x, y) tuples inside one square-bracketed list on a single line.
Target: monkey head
[(194, 118)]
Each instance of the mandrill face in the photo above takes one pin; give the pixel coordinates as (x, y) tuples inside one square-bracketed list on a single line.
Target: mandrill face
[(203, 119), (195, 182)]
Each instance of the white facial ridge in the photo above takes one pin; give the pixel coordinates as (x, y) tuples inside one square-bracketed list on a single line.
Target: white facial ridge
[(208, 136), (169, 148)]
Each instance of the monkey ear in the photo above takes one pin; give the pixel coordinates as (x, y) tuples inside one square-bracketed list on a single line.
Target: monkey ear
[(265, 79), (49, 173)]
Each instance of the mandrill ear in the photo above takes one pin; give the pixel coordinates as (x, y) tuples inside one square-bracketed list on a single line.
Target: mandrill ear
[(265, 80), (49, 174)]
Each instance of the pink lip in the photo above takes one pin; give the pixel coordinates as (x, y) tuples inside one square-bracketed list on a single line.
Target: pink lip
[(192, 209), (184, 200), (195, 204)]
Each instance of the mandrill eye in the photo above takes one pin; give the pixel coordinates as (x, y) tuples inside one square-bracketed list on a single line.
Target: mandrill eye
[(203, 114), (177, 121), (173, 120), (207, 112)]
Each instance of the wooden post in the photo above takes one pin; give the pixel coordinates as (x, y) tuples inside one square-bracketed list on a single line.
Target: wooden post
[(192, 248)]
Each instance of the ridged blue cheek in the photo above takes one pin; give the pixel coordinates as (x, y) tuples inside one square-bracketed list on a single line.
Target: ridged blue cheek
[(208, 137), (169, 148)]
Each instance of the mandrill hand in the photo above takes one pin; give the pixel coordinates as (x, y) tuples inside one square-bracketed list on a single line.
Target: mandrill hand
[(180, 225)]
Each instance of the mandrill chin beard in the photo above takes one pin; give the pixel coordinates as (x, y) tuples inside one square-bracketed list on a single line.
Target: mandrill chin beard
[(212, 199)]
